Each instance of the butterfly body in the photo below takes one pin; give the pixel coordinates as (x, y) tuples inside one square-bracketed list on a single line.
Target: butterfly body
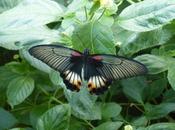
[(99, 70)]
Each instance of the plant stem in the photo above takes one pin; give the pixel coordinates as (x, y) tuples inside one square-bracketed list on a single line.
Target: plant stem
[(87, 122), (102, 14), (131, 2), (85, 10), (132, 104), (55, 99), (44, 91)]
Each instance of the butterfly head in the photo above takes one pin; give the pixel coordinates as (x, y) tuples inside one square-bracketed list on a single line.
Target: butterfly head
[(86, 52)]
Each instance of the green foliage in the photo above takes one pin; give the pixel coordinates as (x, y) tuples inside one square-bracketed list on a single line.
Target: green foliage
[(55, 118), (95, 36), (7, 120), (109, 126), (19, 89), (33, 96)]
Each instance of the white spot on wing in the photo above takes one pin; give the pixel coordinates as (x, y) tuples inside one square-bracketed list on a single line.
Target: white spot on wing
[(101, 81), (75, 79), (69, 76), (72, 78), (93, 80), (97, 81)]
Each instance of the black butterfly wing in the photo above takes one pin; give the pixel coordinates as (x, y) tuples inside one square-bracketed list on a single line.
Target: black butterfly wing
[(97, 83), (62, 59), (106, 68), (115, 67)]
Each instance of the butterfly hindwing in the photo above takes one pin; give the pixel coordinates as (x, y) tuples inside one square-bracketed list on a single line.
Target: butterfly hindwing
[(96, 82), (114, 67), (72, 77), (67, 61)]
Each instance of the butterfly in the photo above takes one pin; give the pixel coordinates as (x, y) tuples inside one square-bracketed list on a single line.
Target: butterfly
[(99, 70)]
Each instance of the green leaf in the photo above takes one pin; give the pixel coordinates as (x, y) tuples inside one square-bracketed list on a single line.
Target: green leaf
[(8, 4), (133, 42), (95, 36), (18, 38), (110, 110), (76, 5), (141, 121), (159, 126), (30, 14), (56, 118), (169, 96), (7, 120), (167, 50), (76, 124), (171, 73), (159, 111), (154, 64), (36, 113), (55, 78), (134, 87), (147, 15), (18, 129), (155, 89), (109, 126), (19, 67), (21, 129), (6, 75), (83, 104), (19, 89)]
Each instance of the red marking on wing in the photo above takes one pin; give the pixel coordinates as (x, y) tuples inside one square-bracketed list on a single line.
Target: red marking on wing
[(97, 58), (75, 54)]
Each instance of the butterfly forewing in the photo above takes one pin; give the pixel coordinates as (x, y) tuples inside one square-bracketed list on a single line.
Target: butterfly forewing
[(67, 61)]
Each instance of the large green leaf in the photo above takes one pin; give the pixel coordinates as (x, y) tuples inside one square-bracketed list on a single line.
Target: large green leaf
[(140, 121), (76, 5), (7, 120), (83, 104), (171, 73), (110, 110), (30, 14), (133, 42), (19, 89), (6, 75), (155, 64), (159, 126), (18, 38), (109, 126), (36, 113), (21, 129), (158, 111), (8, 4), (155, 88), (55, 78), (133, 88), (169, 96), (95, 36), (56, 118), (76, 124), (147, 15)]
